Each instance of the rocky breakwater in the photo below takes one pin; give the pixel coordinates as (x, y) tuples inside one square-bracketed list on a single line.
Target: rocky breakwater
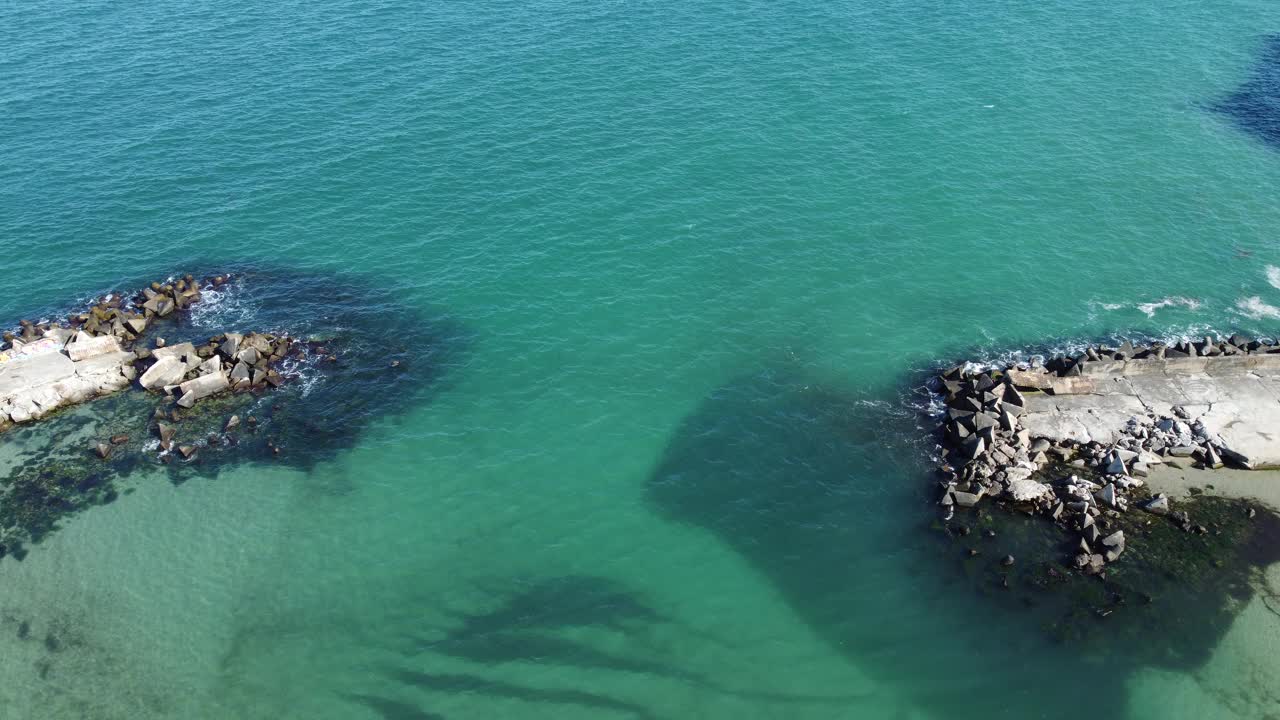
[(227, 362), (1071, 439), (48, 365)]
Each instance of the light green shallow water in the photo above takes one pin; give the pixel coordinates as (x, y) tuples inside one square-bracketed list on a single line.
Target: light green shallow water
[(698, 251)]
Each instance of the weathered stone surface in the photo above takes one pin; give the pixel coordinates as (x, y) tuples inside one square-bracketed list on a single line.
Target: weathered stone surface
[(84, 348), (168, 370), (32, 385), (240, 374), (230, 345), (1237, 398), (202, 387), (1116, 466), (1157, 506), (1028, 490)]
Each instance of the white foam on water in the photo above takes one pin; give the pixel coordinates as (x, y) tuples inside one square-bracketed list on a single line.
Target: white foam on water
[(1273, 276), (1255, 308), (1149, 309), (222, 308)]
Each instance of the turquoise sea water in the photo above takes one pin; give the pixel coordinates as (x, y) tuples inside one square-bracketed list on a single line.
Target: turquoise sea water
[(695, 255)]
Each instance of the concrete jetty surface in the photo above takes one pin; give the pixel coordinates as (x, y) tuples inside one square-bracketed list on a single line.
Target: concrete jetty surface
[(32, 384), (1236, 398)]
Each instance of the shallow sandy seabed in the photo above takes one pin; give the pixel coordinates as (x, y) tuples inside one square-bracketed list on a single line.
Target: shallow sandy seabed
[(1261, 485), (1242, 679)]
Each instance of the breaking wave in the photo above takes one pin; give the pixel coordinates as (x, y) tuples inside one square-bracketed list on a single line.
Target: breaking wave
[(1255, 308)]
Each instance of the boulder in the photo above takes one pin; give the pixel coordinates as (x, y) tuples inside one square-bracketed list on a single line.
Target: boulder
[(1157, 506), (1030, 380), (201, 387), (83, 349), (168, 370), (232, 423), (1149, 458), (1116, 466), (231, 345), (974, 447), (212, 365), (1091, 533), (984, 420), (103, 450), (1097, 563), (1028, 490), (1108, 495), (241, 374)]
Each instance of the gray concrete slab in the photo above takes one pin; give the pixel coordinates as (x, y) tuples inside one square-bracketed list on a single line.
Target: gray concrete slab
[(1237, 398)]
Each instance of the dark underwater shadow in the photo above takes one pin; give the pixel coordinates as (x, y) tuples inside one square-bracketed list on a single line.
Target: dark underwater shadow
[(529, 625), (1255, 106), (827, 495), (372, 355), (389, 709)]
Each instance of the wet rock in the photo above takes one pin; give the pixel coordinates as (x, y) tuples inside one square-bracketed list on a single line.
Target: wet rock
[(166, 433), (119, 439), (232, 423), (187, 451), (103, 450)]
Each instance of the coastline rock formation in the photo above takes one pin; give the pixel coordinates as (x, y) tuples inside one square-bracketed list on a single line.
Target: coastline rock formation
[(1071, 439), (47, 366)]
